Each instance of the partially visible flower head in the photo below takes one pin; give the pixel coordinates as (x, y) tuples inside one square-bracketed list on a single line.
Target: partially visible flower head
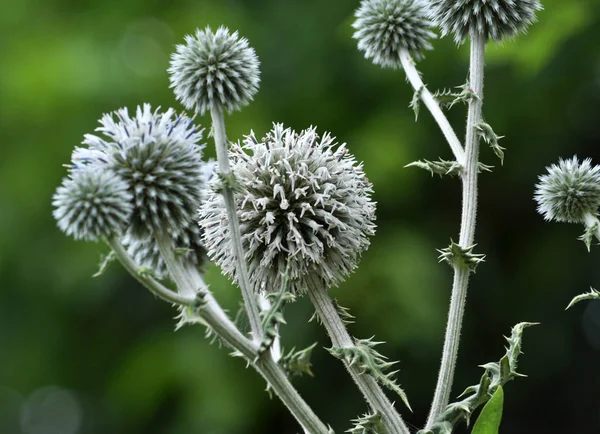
[(305, 207), (158, 155), (92, 204), (569, 191), (386, 27), (214, 69), (494, 19)]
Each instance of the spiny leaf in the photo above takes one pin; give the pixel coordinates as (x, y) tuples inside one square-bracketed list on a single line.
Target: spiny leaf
[(228, 181), (486, 132), (589, 234), (458, 256), (369, 423), (296, 363), (489, 420), (448, 98), (592, 295), (105, 261), (415, 103), (343, 312), (439, 167), (369, 361)]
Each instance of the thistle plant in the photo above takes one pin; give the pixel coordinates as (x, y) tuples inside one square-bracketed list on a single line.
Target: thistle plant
[(290, 214)]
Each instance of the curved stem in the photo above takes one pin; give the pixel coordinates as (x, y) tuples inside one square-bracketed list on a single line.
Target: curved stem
[(340, 337), (467, 233), (250, 301), (430, 102), (189, 279)]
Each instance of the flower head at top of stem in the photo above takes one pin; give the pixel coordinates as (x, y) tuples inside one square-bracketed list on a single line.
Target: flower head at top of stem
[(304, 207), (569, 191), (494, 19), (214, 69), (386, 27)]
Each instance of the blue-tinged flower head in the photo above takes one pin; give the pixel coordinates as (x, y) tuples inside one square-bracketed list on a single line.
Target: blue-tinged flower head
[(569, 191), (494, 19), (215, 69), (92, 204), (304, 207), (386, 27)]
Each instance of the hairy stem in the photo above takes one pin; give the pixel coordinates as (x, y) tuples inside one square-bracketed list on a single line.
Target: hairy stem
[(250, 301), (467, 233), (329, 316), (430, 102), (189, 280)]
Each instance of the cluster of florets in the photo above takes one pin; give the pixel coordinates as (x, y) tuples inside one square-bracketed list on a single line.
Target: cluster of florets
[(494, 19), (569, 191), (304, 206), (384, 28)]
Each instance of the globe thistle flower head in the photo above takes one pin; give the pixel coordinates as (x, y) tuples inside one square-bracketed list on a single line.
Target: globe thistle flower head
[(305, 208), (494, 19), (569, 191), (386, 27), (217, 69), (158, 155), (92, 204)]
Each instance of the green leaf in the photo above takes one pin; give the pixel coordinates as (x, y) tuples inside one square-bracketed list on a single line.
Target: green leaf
[(592, 295), (491, 415)]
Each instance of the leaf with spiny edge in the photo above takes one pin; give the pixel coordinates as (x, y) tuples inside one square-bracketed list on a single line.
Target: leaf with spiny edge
[(439, 167), (344, 313), (458, 256), (496, 374), (592, 295), (488, 135), (228, 181), (415, 103), (589, 234), (369, 361), (369, 423), (105, 261), (296, 363), (448, 98)]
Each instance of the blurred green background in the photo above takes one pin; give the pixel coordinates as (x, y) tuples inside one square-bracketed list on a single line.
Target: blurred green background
[(82, 355)]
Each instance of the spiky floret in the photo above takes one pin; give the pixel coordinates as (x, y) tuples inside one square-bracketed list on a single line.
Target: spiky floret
[(158, 155), (92, 204), (304, 206), (386, 27), (494, 19), (214, 68), (569, 191)]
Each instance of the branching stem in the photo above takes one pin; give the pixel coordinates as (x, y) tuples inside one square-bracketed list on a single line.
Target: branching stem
[(467, 233)]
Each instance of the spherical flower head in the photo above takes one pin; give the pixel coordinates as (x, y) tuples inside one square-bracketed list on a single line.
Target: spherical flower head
[(494, 19), (569, 191), (215, 69), (386, 27), (158, 155), (92, 204), (304, 206)]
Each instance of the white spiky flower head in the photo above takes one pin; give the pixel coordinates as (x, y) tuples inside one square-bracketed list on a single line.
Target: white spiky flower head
[(92, 204), (214, 69), (569, 191), (386, 27), (304, 206), (494, 19), (159, 156)]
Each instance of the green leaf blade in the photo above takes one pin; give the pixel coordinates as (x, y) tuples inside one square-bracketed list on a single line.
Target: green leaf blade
[(491, 415)]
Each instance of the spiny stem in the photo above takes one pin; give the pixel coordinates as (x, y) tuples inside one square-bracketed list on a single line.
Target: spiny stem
[(467, 233), (189, 280), (430, 102), (329, 316), (250, 301)]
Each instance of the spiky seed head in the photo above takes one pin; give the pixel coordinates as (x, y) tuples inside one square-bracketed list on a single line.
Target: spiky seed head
[(305, 208), (92, 204), (494, 19), (214, 69), (386, 27), (158, 155), (568, 191)]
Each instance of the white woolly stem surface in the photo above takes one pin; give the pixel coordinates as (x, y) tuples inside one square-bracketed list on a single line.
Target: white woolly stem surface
[(250, 299), (458, 299), (189, 280), (431, 103), (340, 337)]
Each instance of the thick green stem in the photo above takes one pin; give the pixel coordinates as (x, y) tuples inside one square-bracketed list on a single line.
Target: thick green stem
[(340, 338), (250, 301), (467, 233)]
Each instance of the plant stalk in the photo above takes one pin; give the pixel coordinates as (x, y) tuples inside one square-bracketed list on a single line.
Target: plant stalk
[(431, 103), (329, 316), (467, 232), (250, 299)]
